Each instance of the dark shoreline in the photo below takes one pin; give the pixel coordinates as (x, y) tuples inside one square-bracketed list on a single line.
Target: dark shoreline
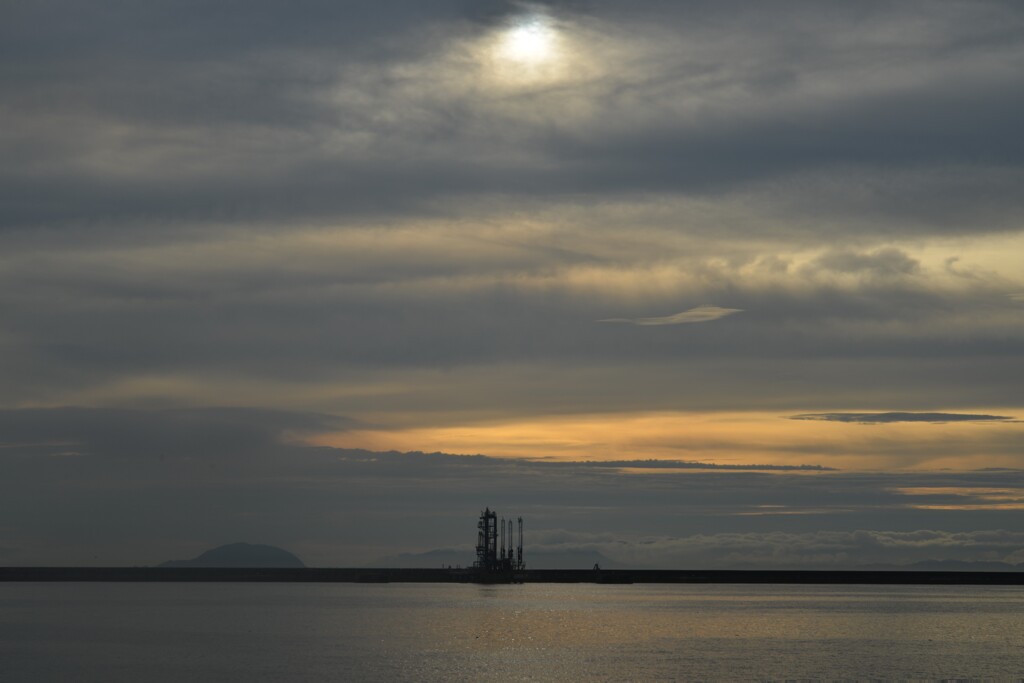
[(605, 576)]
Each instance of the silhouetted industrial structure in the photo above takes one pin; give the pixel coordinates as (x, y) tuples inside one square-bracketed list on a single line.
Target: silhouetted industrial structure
[(494, 545)]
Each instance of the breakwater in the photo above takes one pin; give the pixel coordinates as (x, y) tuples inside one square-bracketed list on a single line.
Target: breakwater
[(604, 576)]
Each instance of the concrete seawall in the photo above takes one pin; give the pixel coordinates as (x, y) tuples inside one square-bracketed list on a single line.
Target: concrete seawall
[(607, 576)]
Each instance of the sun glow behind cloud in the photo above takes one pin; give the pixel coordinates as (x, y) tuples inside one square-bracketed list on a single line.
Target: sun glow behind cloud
[(530, 49), (531, 40)]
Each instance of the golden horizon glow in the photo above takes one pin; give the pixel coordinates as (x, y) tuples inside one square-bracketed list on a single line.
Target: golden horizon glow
[(738, 438)]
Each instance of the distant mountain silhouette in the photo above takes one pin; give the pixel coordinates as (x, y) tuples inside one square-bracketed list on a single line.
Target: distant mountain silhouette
[(240, 555)]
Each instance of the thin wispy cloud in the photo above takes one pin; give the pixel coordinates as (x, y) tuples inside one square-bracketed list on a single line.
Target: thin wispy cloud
[(653, 465), (700, 314), (886, 418)]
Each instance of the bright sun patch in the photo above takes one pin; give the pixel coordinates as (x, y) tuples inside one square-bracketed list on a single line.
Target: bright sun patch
[(531, 41)]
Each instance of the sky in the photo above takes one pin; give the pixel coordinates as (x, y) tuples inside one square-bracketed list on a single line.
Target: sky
[(691, 284)]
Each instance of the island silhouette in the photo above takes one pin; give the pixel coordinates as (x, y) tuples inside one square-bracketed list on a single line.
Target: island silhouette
[(241, 555)]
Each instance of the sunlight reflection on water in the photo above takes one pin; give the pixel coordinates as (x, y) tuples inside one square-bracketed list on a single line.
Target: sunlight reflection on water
[(300, 632)]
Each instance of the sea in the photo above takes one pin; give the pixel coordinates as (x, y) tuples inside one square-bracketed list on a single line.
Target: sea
[(197, 632)]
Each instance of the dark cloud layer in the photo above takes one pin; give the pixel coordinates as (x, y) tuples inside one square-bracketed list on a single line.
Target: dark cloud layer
[(253, 111)]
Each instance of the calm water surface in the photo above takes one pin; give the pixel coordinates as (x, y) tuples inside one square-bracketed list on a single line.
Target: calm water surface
[(543, 632)]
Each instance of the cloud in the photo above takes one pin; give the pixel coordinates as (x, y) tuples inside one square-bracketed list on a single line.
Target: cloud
[(684, 465), (302, 115), (885, 418), (196, 433), (700, 314), (887, 262)]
